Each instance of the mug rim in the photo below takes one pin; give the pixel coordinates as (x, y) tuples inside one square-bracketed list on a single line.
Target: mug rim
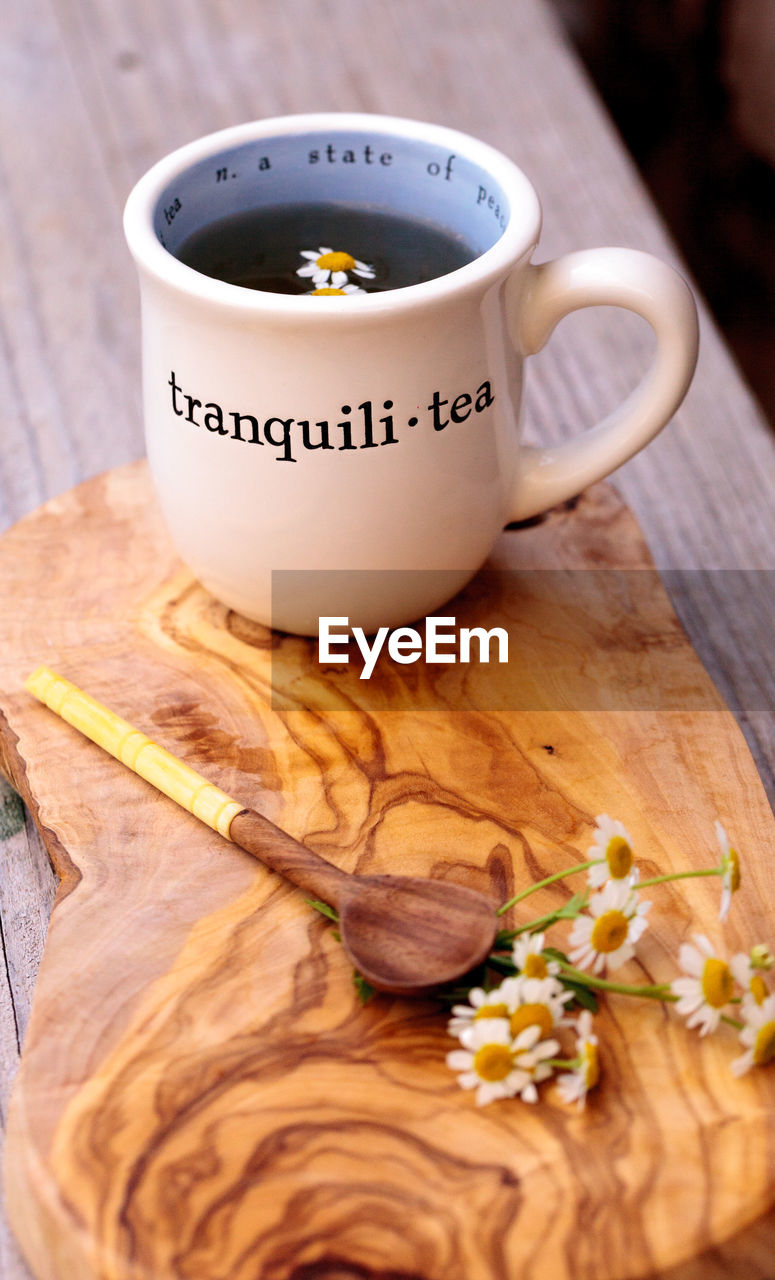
[(519, 236)]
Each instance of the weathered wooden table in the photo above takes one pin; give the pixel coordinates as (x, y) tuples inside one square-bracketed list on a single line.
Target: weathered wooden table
[(93, 94)]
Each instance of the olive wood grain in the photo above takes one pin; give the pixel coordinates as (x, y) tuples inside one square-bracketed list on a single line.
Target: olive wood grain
[(201, 1094)]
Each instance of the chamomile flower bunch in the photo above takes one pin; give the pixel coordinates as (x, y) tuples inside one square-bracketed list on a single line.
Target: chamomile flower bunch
[(515, 1026), (527, 1018)]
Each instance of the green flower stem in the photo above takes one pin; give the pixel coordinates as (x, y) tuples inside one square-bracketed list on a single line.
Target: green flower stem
[(732, 1022), (571, 1063), (659, 991), (680, 875), (542, 922), (541, 884)]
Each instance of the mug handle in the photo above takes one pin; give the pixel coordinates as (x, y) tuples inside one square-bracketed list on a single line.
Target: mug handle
[(602, 277)]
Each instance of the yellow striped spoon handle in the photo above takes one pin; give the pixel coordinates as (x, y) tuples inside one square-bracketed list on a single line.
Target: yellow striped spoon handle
[(140, 753)]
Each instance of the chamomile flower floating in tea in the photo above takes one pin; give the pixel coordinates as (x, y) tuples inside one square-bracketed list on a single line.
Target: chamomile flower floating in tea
[(332, 266), (329, 292)]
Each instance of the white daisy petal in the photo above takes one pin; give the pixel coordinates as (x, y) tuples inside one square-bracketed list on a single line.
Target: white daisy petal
[(469, 1080), (597, 875), (486, 1031), (546, 1049), (740, 1065), (488, 1092), (740, 964), (527, 1038), (459, 1060), (704, 944), (691, 960)]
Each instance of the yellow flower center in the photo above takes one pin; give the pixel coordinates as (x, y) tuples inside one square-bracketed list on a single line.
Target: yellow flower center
[(531, 1015), (336, 262), (535, 967), (493, 1062), (733, 866), (319, 293), (590, 1065), (610, 931), (764, 1045), (717, 983), (618, 855), (758, 988), (492, 1011)]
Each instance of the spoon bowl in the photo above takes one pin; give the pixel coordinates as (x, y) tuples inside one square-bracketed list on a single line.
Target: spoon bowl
[(407, 935), (404, 934)]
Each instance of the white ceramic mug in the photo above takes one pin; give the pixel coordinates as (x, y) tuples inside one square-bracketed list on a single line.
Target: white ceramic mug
[(373, 431)]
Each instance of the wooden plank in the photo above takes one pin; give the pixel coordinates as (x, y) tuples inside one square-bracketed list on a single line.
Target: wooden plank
[(27, 890), (69, 333), (27, 887), (11, 1264)]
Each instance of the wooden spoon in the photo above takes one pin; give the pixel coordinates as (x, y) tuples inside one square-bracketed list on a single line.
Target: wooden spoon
[(404, 934)]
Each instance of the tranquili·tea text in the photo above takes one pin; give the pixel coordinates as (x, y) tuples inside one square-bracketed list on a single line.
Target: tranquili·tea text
[(365, 426)]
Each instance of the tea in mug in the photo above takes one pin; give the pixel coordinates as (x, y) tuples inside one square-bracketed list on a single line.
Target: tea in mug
[(323, 248)]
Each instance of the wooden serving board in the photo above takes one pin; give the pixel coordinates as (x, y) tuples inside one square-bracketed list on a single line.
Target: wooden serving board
[(201, 1095)]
